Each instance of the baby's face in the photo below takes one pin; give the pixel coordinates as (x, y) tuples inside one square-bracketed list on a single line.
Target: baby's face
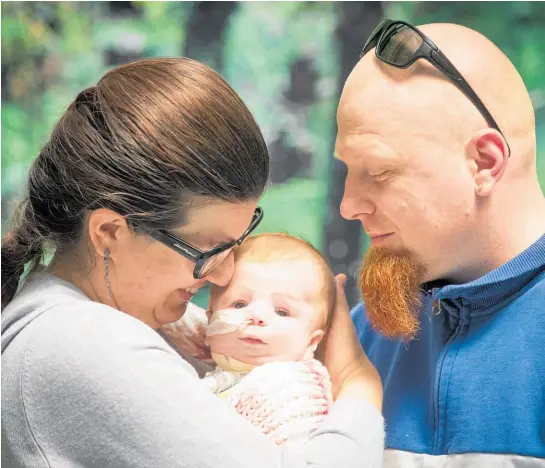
[(280, 302)]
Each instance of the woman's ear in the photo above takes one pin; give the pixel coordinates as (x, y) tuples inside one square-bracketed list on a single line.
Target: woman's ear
[(107, 229)]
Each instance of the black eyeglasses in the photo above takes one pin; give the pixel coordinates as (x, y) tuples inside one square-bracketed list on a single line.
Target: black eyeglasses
[(206, 261), (400, 44)]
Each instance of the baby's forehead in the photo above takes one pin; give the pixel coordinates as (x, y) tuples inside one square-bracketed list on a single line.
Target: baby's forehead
[(299, 270), (301, 280), (300, 275)]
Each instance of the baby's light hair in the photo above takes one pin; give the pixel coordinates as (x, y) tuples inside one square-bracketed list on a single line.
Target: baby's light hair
[(272, 247)]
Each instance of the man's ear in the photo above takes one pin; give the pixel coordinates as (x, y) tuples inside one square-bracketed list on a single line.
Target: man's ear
[(488, 154)]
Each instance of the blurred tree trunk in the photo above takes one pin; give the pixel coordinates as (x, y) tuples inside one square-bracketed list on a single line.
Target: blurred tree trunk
[(357, 21), (290, 150), (126, 48), (206, 30), (290, 155)]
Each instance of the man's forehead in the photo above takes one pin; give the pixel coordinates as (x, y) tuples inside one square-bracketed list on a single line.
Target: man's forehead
[(369, 110), (369, 145), (369, 76), (391, 119)]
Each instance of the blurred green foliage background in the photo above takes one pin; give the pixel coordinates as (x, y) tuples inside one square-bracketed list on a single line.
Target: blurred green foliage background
[(286, 59)]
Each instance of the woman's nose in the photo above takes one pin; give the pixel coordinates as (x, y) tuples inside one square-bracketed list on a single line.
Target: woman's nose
[(222, 274)]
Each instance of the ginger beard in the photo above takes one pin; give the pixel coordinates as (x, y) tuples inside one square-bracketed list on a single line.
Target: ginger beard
[(390, 285)]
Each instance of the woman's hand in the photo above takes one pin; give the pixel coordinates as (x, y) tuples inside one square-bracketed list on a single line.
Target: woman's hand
[(351, 371)]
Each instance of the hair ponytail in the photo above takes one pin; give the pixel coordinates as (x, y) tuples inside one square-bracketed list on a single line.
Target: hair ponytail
[(21, 245)]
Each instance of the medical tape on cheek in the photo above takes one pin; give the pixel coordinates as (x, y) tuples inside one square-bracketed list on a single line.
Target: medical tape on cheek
[(227, 321), (230, 320)]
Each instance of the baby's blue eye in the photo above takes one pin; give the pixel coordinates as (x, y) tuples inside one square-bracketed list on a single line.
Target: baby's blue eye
[(282, 313), (239, 305)]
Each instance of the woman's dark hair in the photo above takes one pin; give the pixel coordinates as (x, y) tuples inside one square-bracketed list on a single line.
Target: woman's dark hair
[(147, 139)]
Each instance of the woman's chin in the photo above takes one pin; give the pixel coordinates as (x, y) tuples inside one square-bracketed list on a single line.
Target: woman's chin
[(170, 314)]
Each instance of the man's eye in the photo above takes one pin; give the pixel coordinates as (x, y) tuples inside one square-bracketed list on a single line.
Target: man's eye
[(282, 313), (382, 176), (239, 304)]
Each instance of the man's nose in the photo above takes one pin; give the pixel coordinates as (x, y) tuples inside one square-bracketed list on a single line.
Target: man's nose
[(354, 205)]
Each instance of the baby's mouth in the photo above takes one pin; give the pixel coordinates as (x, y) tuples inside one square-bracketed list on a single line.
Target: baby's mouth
[(252, 340)]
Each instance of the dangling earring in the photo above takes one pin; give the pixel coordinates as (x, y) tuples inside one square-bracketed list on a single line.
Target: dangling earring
[(106, 262)]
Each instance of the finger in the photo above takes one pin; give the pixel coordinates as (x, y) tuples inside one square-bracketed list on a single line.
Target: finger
[(341, 301), (340, 279)]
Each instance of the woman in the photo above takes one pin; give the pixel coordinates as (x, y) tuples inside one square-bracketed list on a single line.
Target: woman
[(149, 181)]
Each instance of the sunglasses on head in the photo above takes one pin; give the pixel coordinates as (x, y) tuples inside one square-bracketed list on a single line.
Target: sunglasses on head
[(400, 44)]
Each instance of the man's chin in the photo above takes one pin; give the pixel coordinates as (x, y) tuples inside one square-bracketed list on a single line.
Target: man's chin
[(390, 280)]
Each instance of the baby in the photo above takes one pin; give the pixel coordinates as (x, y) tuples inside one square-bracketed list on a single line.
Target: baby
[(263, 330)]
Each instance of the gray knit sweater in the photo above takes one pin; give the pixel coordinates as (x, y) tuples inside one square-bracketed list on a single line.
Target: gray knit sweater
[(84, 385)]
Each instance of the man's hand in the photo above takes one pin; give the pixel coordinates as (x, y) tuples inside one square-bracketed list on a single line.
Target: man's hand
[(342, 354)]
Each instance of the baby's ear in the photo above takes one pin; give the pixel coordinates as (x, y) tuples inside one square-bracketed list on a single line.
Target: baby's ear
[(314, 340)]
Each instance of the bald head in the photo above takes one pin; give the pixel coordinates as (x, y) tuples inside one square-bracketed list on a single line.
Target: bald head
[(426, 174), (426, 103)]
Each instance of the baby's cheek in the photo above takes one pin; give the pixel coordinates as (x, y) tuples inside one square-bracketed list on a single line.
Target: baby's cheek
[(222, 344), (291, 346), (215, 342)]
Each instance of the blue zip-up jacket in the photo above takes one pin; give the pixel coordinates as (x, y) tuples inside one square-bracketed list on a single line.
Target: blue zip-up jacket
[(470, 389)]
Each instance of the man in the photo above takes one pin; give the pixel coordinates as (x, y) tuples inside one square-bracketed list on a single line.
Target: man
[(439, 143)]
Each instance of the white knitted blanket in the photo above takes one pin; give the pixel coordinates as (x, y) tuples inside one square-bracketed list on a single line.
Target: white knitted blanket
[(287, 401)]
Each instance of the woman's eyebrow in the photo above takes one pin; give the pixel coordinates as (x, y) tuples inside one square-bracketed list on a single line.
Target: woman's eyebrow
[(196, 239)]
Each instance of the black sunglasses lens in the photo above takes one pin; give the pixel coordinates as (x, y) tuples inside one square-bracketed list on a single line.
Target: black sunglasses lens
[(372, 41), (399, 44)]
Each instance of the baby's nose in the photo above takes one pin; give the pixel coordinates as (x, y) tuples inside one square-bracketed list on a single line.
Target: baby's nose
[(257, 320), (260, 312)]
